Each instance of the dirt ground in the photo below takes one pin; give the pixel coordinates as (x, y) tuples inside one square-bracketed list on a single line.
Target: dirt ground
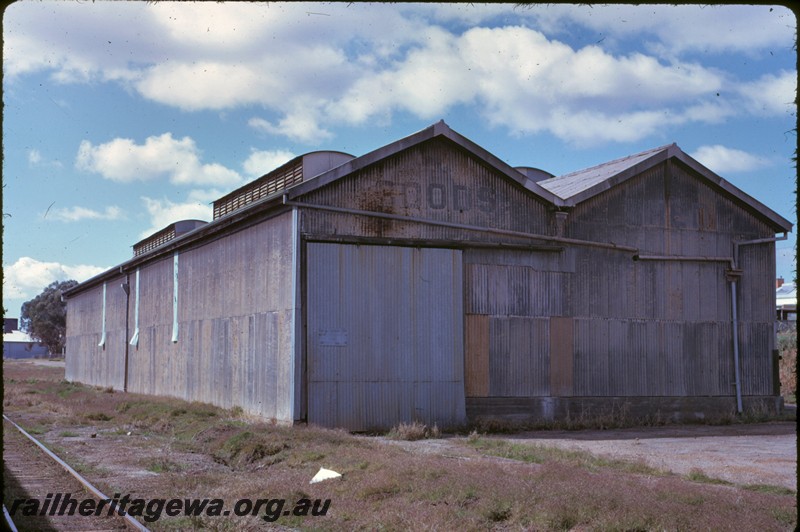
[(158, 447), (763, 453), (759, 453)]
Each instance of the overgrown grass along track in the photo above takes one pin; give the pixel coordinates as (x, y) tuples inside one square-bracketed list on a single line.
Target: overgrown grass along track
[(38, 488), (160, 447)]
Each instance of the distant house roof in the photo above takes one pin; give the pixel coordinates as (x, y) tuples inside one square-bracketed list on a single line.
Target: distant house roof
[(786, 295), (576, 187), (18, 336)]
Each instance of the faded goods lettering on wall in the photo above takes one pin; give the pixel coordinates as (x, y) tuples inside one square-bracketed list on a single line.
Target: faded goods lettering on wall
[(436, 196)]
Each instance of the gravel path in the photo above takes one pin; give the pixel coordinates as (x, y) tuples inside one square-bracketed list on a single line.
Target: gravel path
[(762, 453), (758, 453)]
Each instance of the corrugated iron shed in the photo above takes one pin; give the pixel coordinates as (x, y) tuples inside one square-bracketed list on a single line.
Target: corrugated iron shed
[(428, 280)]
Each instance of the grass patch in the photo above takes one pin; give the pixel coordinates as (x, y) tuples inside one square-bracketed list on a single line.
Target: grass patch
[(187, 523), (413, 431), (498, 511), (163, 465), (64, 389), (244, 448), (382, 491), (769, 488), (785, 517), (698, 475), (540, 454), (68, 434), (98, 416), (385, 486)]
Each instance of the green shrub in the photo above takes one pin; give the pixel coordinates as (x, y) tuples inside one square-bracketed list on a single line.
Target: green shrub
[(787, 346)]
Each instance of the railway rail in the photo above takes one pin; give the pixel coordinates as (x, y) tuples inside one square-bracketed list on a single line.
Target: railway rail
[(34, 473)]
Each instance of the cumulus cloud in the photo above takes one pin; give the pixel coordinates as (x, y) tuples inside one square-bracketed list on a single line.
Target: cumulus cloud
[(314, 66), (302, 125), (671, 30), (771, 94), (262, 161), (27, 277), (164, 212), (724, 160), (528, 83), (77, 213), (178, 160)]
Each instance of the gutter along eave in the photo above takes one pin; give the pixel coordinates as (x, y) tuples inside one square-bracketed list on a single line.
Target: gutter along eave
[(254, 213)]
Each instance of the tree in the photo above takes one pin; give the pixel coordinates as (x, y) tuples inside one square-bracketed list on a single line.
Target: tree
[(45, 316)]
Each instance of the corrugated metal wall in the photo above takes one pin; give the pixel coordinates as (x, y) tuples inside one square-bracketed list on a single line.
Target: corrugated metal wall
[(510, 300), (85, 361), (659, 328), (401, 333), (434, 181), (666, 210), (385, 329), (235, 316)]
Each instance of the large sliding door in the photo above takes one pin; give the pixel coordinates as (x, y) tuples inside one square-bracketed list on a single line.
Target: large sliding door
[(384, 336)]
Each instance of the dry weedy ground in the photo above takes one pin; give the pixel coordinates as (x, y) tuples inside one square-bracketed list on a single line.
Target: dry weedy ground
[(157, 447)]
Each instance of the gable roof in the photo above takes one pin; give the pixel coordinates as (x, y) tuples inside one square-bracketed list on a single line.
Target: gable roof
[(439, 129), (577, 187), (564, 191)]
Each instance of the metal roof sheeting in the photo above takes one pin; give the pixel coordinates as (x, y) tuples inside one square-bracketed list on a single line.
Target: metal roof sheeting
[(786, 294), (564, 191), (568, 185)]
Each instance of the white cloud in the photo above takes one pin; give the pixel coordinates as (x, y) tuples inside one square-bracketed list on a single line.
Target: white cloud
[(76, 214), (123, 160), (301, 125), (315, 66), (724, 160), (27, 277), (164, 212), (262, 161), (214, 85), (35, 158), (527, 83), (771, 94), (675, 29)]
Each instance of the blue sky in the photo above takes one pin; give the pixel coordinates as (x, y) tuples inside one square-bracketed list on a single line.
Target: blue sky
[(123, 117)]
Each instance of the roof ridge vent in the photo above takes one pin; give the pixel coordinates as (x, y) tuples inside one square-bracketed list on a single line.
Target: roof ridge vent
[(170, 232), (534, 174), (292, 173)]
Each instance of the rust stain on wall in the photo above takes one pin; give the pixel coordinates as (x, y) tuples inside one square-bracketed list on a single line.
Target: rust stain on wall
[(476, 364)]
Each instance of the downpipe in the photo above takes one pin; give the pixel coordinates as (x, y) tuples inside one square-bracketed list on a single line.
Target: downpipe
[(735, 274), (126, 287), (735, 324)]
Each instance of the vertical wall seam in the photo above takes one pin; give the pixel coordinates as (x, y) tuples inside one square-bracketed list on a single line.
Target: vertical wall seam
[(295, 339), (135, 338), (175, 298), (103, 335)]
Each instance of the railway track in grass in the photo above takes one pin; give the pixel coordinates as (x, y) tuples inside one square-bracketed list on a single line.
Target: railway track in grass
[(42, 492)]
